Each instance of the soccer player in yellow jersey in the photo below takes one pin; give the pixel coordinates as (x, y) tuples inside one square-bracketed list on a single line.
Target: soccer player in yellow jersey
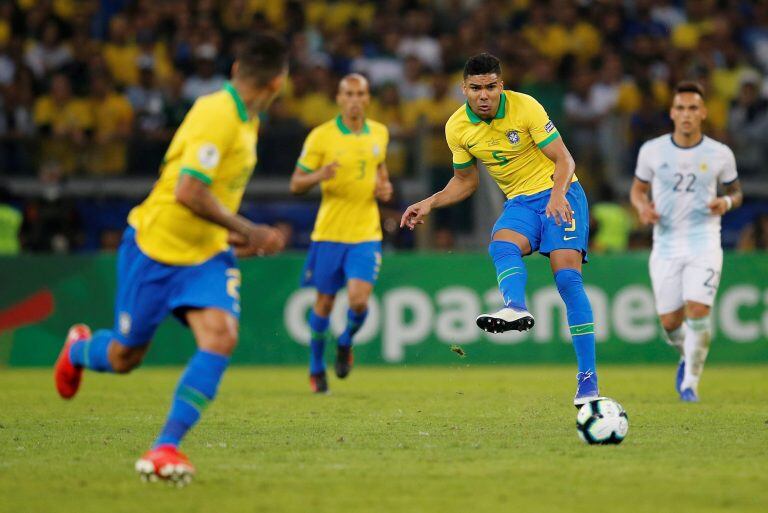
[(346, 157), (546, 209), (177, 257)]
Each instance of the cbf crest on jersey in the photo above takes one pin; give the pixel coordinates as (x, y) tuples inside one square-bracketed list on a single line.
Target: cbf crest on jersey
[(513, 136)]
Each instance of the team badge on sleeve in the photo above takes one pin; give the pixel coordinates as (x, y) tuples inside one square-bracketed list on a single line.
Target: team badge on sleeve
[(208, 155), (513, 136), (549, 126)]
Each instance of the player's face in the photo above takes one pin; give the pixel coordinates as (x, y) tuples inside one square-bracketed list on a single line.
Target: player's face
[(687, 113), (483, 94), (353, 98)]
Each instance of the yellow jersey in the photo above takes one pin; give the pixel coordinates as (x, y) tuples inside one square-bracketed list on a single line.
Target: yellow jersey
[(216, 144), (348, 210), (509, 144)]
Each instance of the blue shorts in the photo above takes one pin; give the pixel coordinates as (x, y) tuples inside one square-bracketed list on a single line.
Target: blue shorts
[(147, 290), (526, 215), (330, 264)]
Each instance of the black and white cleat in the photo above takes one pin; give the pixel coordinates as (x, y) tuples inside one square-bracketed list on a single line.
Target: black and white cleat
[(506, 319)]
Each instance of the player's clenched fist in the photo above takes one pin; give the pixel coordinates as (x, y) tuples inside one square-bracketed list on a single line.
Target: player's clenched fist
[(648, 214), (261, 240), (415, 214)]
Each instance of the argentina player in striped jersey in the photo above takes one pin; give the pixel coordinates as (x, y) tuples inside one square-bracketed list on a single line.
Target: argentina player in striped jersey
[(681, 172)]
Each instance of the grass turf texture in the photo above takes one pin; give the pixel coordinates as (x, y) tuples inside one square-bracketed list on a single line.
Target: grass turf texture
[(390, 439)]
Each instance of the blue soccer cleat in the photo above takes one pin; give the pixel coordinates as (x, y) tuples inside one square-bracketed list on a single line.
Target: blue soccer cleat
[(586, 388), (689, 396), (680, 374)]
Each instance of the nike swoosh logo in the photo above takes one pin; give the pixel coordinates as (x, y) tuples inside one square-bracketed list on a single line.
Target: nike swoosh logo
[(568, 238), (471, 145)]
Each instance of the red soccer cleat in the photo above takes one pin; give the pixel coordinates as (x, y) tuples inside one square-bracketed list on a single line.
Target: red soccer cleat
[(66, 375), (165, 462)]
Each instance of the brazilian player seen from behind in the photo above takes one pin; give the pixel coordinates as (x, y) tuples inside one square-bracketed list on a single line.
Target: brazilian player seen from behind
[(177, 253), (346, 157), (546, 209)]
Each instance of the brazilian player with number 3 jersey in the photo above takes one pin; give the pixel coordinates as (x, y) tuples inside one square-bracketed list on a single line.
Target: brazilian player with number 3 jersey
[(546, 208), (682, 172), (346, 156)]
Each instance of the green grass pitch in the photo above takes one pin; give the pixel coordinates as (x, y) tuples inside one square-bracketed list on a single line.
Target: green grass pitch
[(408, 439)]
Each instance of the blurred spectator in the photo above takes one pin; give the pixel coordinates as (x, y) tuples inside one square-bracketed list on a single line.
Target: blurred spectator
[(413, 86), (542, 83), (205, 80), (17, 125), (10, 223), (418, 42), (48, 55), (50, 223), (384, 66), (611, 224), (113, 118), (62, 120), (748, 121), (754, 236)]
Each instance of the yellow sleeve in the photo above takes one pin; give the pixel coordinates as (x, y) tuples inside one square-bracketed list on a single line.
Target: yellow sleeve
[(540, 127), (312, 152), (208, 137), (462, 158)]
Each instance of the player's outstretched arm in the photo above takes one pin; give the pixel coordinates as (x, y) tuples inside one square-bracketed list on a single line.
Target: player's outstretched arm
[(247, 237), (460, 187), (733, 198), (302, 180), (638, 195)]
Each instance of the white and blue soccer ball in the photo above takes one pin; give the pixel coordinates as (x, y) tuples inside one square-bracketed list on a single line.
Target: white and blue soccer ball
[(602, 422)]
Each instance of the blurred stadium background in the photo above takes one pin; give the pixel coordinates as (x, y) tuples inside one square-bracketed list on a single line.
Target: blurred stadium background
[(91, 92)]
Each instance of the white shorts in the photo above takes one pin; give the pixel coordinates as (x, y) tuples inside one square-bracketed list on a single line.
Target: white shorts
[(681, 279)]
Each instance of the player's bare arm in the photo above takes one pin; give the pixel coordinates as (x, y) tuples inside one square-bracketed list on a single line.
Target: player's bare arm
[(732, 198), (384, 190), (302, 182), (558, 207), (247, 238), (639, 196), (463, 184)]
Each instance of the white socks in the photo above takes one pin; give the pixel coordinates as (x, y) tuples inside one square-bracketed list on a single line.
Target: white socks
[(698, 336), (675, 338)]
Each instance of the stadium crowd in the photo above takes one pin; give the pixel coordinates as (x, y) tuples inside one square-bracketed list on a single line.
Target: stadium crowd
[(97, 88)]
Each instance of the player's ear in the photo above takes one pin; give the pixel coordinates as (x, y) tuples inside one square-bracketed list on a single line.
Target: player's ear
[(277, 83), (235, 67)]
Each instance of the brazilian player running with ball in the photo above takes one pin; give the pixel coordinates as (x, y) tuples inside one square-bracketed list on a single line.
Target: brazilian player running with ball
[(178, 253), (346, 157), (546, 209)]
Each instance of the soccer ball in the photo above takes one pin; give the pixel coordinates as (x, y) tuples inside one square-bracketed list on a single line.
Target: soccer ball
[(602, 422)]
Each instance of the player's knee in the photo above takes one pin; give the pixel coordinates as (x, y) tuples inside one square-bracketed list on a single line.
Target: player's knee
[(696, 310), (324, 305), (670, 323), (569, 281), (221, 339)]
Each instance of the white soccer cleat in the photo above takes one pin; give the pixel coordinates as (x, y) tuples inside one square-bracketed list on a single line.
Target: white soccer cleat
[(506, 319)]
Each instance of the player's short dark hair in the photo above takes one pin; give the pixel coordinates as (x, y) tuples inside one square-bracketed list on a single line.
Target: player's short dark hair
[(482, 64), (690, 86), (263, 56)]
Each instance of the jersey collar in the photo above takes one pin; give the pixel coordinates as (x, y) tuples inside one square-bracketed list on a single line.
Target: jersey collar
[(346, 131), (474, 118), (241, 110)]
